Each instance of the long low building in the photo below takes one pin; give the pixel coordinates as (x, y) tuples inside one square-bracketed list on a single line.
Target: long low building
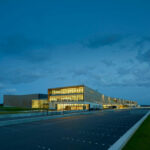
[(78, 97), (24, 101), (83, 97)]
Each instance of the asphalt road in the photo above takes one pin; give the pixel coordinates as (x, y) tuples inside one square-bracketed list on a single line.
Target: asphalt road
[(83, 132)]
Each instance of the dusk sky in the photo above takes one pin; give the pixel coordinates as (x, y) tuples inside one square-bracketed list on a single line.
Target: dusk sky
[(104, 44)]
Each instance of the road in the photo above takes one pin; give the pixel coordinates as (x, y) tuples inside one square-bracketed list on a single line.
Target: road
[(95, 131)]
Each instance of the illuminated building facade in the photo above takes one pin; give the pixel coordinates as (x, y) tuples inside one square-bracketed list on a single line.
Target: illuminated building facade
[(82, 97), (68, 98)]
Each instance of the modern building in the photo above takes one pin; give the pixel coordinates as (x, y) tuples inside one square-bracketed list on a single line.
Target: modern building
[(24, 101), (73, 98), (82, 97), (78, 97)]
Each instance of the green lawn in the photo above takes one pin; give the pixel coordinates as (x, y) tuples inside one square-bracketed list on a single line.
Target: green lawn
[(141, 139), (2, 108), (13, 110)]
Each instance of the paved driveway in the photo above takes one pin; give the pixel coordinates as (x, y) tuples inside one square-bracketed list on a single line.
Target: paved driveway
[(84, 132)]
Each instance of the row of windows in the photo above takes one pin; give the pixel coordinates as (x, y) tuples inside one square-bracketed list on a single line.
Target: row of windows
[(67, 90), (72, 106), (66, 98)]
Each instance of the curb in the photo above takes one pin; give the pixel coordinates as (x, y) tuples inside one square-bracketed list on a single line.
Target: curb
[(119, 144)]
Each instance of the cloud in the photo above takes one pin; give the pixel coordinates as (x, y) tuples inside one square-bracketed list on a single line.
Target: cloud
[(20, 75), (23, 60), (142, 41), (80, 72), (1, 86), (121, 72), (144, 56), (124, 71), (21, 47), (143, 52), (108, 62), (137, 75), (76, 64), (10, 91), (102, 41), (15, 44)]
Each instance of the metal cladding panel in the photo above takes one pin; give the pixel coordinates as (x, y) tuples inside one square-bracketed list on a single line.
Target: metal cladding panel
[(93, 96), (122, 101), (119, 101), (106, 98), (20, 100), (42, 96), (112, 100)]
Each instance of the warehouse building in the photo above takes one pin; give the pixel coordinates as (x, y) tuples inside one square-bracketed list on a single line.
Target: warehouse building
[(82, 97), (24, 101), (78, 97)]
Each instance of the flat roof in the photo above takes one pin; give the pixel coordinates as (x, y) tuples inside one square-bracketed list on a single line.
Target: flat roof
[(66, 87), (24, 94)]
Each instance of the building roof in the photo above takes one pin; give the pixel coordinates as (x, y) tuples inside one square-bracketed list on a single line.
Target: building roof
[(66, 87)]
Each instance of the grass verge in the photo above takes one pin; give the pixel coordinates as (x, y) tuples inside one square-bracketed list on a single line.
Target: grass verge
[(11, 112), (141, 138), (14, 110)]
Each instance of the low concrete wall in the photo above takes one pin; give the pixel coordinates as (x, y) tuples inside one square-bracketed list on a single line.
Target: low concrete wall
[(27, 120), (28, 114), (119, 144)]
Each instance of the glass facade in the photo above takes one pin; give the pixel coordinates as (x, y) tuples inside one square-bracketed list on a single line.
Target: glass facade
[(39, 103), (76, 97), (67, 90), (72, 106), (66, 94)]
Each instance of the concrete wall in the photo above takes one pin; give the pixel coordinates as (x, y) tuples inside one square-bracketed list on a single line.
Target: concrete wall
[(24, 101)]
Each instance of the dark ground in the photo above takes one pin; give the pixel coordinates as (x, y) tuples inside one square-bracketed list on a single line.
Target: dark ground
[(83, 132)]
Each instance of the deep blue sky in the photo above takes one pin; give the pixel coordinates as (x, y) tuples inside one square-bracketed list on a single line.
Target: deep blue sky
[(104, 44)]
